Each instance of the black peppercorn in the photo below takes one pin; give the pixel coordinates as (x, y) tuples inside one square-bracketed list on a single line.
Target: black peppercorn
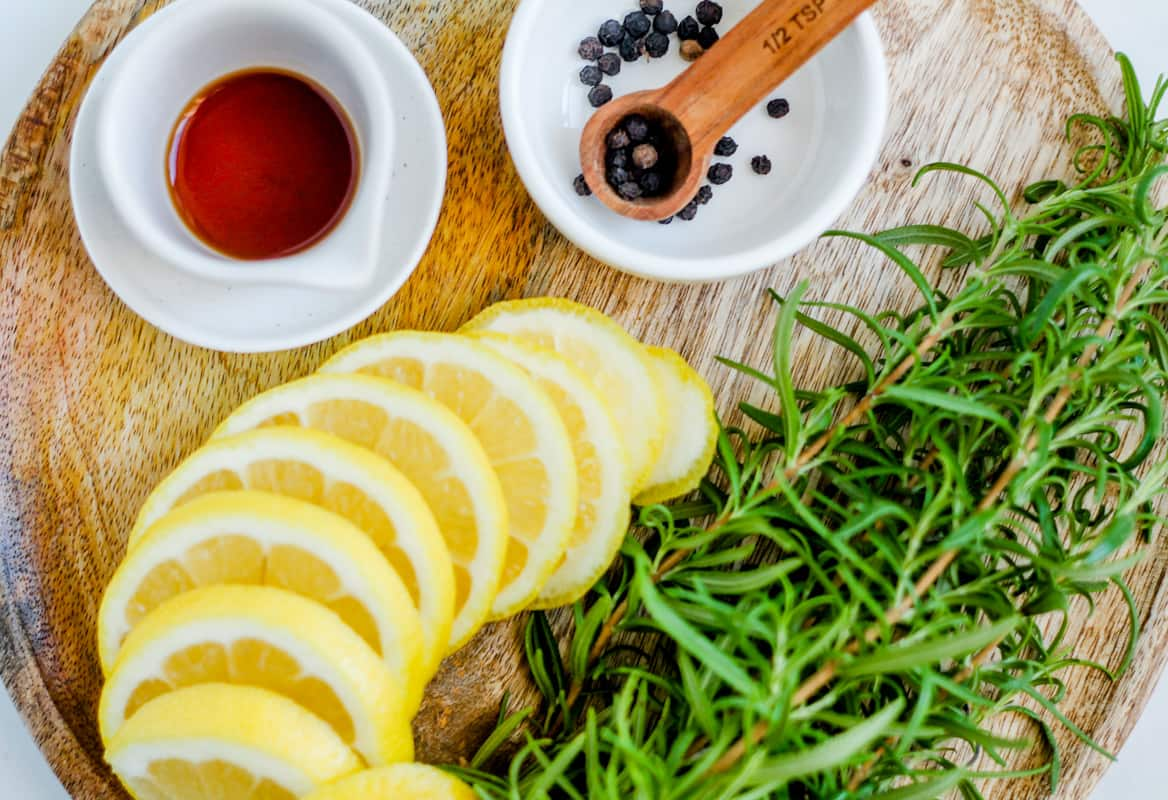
[(656, 44), (709, 13), (591, 49), (638, 153), (665, 23), (761, 165), (708, 37), (631, 48), (691, 50), (630, 190), (637, 127), (611, 33), (617, 175), (599, 95), (720, 173), (644, 156), (638, 24), (591, 75), (689, 212), (778, 108), (726, 147), (581, 186), (618, 139), (705, 195), (688, 28), (652, 7), (610, 64)]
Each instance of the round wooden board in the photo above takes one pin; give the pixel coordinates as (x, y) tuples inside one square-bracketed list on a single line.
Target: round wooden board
[(96, 405)]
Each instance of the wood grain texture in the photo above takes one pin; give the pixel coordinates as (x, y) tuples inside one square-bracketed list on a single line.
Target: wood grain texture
[(96, 405)]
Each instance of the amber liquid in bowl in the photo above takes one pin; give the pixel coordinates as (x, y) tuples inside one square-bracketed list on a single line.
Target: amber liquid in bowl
[(262, 164)]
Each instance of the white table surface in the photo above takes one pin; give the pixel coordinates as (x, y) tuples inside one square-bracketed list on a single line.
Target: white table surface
[(32, 30)]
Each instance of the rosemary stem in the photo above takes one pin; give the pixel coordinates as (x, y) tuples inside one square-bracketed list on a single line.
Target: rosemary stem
[(943, 326), (614, 619), (827, 673), (865, 769)]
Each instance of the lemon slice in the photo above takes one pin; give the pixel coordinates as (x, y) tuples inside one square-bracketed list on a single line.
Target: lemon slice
[(518, 427), (218, 742), (396, 782), (257, 538), (602, 469), (693, 430), (340, 477), (268, 638), (614, 361), (431, 446)]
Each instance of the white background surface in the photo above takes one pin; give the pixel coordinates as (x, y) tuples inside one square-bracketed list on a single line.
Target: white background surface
[(32, 30)]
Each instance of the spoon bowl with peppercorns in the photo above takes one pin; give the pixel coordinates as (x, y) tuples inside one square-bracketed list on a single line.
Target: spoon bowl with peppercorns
[(638, 159), (757, 192)]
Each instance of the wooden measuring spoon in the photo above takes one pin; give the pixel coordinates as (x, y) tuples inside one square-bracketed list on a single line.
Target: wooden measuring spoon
[(697, 108)]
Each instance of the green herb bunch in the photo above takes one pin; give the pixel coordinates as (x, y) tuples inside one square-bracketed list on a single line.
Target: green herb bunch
[(880, 569)]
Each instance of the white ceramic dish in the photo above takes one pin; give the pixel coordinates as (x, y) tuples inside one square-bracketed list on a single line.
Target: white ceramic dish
[(179, 51), (243, 317), (822, 151)]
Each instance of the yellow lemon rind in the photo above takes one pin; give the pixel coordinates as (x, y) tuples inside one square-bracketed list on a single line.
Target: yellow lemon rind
[(325, 649), (692, 402), (255, 729), (396, 782)]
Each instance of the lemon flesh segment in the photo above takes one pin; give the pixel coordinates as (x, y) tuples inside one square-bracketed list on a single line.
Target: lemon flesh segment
[(693, 430), (221, 742), (396, 782), (518, 427), (602, 468), (271, 639), (328, 472), (257, 538), (430, 445), (614, 361)]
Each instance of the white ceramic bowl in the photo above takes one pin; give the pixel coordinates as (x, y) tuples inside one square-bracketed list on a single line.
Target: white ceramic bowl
[(822, 151), (242, 317), (185, 47)]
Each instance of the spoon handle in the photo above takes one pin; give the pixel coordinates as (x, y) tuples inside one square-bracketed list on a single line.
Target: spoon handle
[(758, 54)]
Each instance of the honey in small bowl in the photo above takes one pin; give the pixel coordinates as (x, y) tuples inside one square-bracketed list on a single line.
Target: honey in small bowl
[(263, 164)]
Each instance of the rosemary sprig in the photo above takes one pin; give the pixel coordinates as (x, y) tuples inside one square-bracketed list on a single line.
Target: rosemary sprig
[(864, 587)]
